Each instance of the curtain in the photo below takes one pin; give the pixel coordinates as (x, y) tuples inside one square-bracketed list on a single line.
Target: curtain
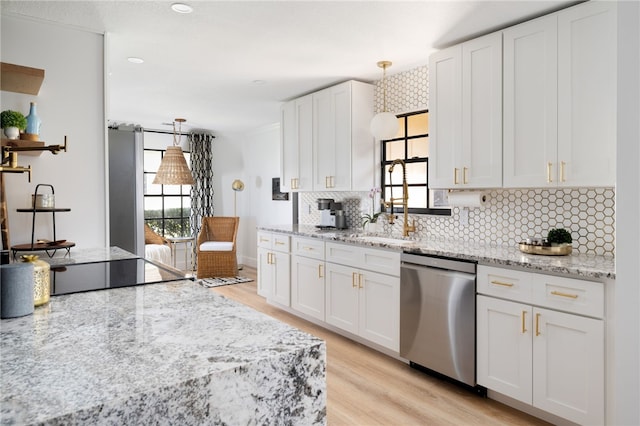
[(201, 147)]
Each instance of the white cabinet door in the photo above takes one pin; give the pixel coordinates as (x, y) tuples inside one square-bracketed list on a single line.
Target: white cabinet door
[(445, 110), (481, 161), (587, 79), (265, 273), (281, 264), (289, 161), (379, 309), (504, 347), (568, 366), (308, 287), (324, 142), (342, 297), (530, 104)]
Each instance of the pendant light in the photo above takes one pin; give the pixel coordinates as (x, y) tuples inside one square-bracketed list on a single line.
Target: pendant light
[(384, 125), (173, 168)]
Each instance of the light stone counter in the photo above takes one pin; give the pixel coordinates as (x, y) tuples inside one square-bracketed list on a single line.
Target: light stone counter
[(579, 265), (173, 353)]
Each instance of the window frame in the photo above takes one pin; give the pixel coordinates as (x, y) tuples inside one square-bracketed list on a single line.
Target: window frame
[(384, 163)]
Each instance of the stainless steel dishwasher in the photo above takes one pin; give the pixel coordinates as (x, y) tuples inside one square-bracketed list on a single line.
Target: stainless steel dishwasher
[(438, 315)]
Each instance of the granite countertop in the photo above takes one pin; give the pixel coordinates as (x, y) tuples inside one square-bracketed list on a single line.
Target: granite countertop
[(576, 264), (174, 352)]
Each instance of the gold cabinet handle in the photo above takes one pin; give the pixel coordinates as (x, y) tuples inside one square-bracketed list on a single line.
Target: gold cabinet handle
[(359, 280), (455, 175), (353, 279), (562, 164), (537, 324), (307, 248), (502, 283), (268, 258), (561, 294), (320, 271), (279, 243), (264, 240), (524, 317), (464, 175), (549, 164)]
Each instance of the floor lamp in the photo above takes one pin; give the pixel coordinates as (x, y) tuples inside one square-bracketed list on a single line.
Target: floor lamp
[(237, 186)]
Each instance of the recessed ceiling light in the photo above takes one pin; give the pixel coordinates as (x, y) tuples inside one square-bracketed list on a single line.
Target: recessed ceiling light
[(135, 60), (181, 8)]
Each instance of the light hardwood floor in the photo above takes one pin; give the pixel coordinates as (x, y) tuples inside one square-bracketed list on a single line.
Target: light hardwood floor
[(365, 387)]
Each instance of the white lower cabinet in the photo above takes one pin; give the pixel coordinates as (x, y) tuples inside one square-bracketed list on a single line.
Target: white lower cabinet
[(364, 303), (550, 359), (274, 265), (307, 289)]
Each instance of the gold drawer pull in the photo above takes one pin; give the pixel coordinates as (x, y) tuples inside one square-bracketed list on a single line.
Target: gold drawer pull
[(549, 164), (455, 176), (559, 293), (562, 164), (502, 283), (320, 272), (307, 248), (524, 316), (537, 324), (279, 243), (359, 280), (353, 279), (464, 175), (264, 240)]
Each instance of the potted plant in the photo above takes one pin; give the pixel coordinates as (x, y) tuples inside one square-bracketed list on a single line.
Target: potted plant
[(12, 122), (559, 236), (370, 221)]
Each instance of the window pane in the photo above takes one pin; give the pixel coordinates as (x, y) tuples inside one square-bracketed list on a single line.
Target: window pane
[(152, 160), (417, 197), (396, 176), (152, 207), (171, 189), (418, 148), (172, 206), (156, 225), (149, 187), (394, 150), (172, 227), (416, 173), (418, 124), (400, 133)]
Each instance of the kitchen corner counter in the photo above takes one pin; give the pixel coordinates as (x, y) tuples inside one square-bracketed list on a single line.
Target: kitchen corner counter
[(576, 264), (172, 353)]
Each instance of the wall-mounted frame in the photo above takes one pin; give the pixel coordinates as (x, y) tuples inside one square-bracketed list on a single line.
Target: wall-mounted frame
[(275, 190)]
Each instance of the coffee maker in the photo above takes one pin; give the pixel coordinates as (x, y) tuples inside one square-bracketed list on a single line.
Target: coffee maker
[(331, 214)]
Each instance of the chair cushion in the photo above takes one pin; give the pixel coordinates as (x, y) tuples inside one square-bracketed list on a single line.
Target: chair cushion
[(216, 246)]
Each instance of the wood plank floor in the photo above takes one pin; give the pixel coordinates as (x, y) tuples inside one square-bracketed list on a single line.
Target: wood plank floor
[(365, 387)]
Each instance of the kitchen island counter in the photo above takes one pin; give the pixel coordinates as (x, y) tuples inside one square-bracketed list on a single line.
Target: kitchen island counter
[(169, 353), (576, 264)]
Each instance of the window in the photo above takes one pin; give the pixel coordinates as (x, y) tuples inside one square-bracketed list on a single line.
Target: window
[(411, 145), (167, 208)]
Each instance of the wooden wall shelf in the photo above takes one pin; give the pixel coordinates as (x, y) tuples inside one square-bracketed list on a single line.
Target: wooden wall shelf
[(23, 143), (20, 79)]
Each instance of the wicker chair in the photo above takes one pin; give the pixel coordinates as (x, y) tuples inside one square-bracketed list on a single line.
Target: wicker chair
[(216, 247)]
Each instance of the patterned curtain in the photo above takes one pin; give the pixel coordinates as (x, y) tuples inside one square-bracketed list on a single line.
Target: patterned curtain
[(201, 147)]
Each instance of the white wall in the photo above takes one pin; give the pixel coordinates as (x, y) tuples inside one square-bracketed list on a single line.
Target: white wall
[(70, 103), (253, 158)]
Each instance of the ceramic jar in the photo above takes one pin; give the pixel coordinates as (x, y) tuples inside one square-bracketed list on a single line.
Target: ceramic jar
[(41, 281)]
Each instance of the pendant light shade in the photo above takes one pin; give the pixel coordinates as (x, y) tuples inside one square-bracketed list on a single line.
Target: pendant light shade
[(173, 168), (384, 125)]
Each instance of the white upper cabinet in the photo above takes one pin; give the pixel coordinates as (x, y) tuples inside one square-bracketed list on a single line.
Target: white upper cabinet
[(466, 115), (326, 142), (560, 99)]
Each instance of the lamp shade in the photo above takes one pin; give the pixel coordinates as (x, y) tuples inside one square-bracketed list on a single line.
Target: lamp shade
[(173, 169), (384, 125)]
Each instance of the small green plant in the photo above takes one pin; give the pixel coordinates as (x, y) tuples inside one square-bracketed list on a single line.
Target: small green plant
[(559, 236), (10, 118), (370, 218)]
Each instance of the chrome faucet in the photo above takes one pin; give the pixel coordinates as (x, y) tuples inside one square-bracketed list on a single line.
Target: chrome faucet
[(406, 228)]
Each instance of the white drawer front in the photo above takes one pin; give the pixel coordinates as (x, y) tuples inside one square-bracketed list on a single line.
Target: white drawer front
[(569, 294), (343, 254), (308, 247), (264, 239), (505, 283), (383, 261), (280, 242)]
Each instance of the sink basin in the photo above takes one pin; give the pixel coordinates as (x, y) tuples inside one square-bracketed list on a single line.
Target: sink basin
[(383, 240)]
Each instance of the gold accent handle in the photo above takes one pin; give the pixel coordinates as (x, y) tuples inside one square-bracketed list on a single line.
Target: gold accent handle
[(359, 280), (264, 240), (524, 316), (549, 164), (294, 183), (269, 258), (464, 175), (320, 272), (559, 293), (328, 181), (279, 243), (562, 164), (455, 175), (353, 279), (537, 324), (502, 283), (307, 248)]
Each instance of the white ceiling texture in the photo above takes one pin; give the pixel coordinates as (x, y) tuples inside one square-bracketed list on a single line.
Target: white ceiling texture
[(228, 65)]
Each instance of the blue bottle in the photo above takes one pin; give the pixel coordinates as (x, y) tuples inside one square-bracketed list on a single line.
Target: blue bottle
[(33, 121)]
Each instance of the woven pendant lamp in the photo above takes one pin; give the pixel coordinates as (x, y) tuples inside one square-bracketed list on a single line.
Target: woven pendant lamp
[(173, 168)]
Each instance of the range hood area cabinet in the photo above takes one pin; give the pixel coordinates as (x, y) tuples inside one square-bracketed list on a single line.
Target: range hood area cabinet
[(558, 95), (466, 87), (560, 99), (326, 144)]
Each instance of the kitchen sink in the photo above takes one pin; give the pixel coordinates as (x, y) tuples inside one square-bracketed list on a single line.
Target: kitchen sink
[(383, 240)]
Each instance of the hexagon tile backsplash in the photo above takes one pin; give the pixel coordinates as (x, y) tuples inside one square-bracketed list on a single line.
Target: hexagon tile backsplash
[(507, 217)]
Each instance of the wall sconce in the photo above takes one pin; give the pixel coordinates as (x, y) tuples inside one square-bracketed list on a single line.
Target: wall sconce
[(384, 125), (173, 168)]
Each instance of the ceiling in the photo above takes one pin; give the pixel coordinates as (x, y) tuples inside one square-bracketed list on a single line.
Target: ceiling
[(228, 65)]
